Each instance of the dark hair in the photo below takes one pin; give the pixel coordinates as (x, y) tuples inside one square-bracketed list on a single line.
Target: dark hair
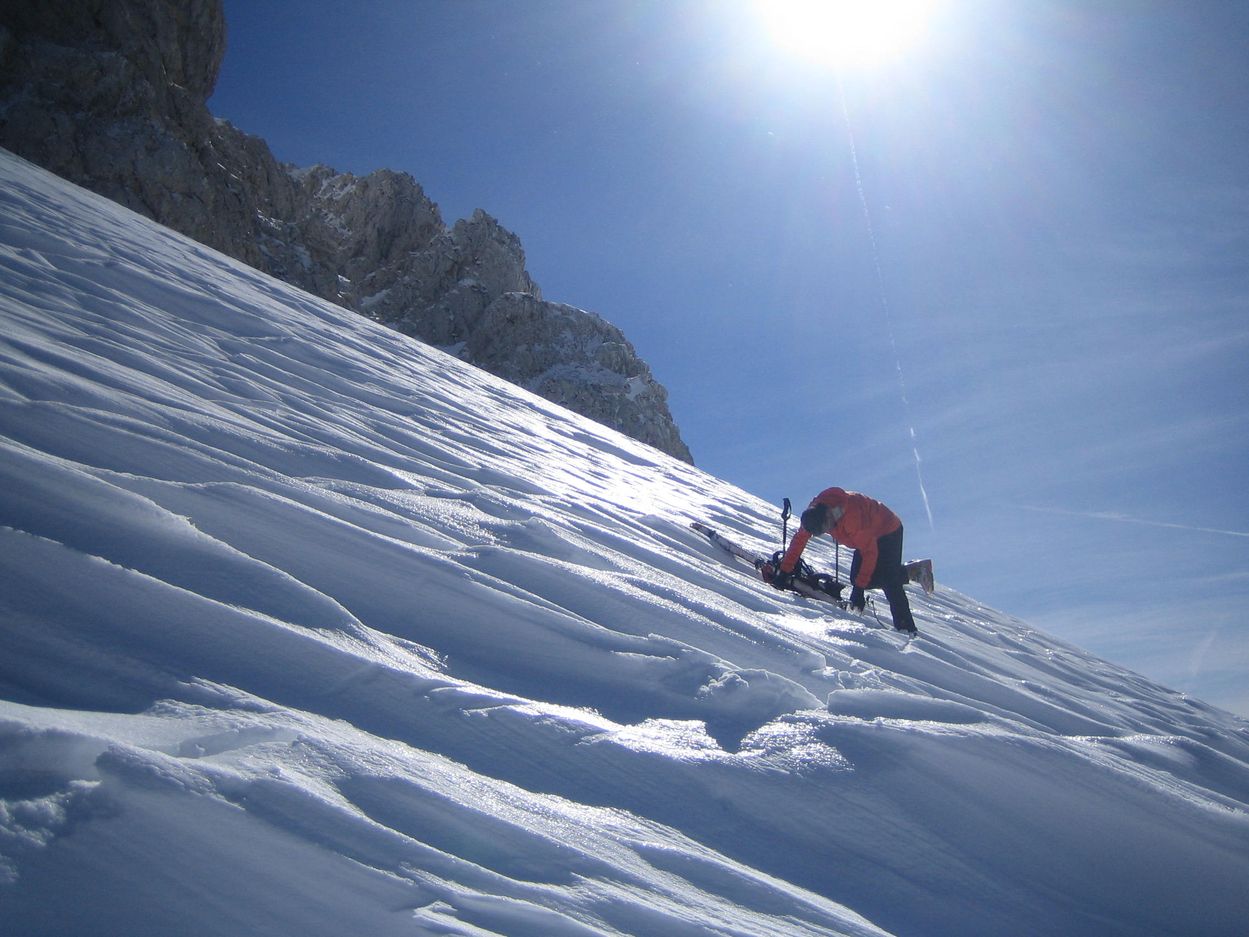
[(813, 519)]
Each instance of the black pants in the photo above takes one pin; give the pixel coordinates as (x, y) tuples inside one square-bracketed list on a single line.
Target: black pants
[(889, 576)]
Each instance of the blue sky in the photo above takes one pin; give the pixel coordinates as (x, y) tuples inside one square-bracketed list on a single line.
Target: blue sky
[(1019, 252)]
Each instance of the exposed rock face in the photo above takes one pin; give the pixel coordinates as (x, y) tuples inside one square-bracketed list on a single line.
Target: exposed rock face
[(111, 95), (576, 359)]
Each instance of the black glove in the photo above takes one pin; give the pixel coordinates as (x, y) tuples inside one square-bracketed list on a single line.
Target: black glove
[(773, 576), (856, 599)]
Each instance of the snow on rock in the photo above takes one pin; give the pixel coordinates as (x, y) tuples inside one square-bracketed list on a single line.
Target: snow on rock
[(308, 630)]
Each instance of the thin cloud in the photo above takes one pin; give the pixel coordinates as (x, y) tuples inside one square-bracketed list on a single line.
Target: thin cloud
[(1128, 519)]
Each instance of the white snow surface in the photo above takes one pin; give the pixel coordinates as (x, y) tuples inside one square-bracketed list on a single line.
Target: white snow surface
[(308, 629)]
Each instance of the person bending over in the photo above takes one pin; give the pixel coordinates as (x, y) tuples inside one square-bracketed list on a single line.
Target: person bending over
[(874, 533)]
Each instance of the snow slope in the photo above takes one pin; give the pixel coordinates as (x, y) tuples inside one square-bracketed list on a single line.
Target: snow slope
[(309, 629)]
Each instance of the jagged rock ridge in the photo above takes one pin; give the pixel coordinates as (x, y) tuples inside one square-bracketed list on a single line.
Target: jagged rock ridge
[(112, 94)]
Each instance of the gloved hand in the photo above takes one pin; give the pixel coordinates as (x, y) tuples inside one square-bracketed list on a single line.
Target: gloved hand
[(857, 601), (773, 576)]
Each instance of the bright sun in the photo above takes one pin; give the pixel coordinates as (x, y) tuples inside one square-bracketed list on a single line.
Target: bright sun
[(846, 33)]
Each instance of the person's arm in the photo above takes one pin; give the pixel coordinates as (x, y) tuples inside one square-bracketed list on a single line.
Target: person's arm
[(790, 560), (870, 553)]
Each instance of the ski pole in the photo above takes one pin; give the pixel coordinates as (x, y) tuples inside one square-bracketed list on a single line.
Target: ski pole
[(786, 510)]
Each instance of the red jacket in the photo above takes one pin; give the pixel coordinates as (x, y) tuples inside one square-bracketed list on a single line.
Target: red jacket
[(864, 522)]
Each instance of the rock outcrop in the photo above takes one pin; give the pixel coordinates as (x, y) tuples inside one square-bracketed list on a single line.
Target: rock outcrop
[(112, 94)]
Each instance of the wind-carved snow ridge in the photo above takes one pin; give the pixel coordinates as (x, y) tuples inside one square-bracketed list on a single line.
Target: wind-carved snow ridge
[(308, 631)]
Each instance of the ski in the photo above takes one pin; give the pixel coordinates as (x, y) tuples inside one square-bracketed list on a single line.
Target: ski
[(822, 588)]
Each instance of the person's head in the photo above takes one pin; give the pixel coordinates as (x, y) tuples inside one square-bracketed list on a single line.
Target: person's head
[(815, 519), (820, 518)]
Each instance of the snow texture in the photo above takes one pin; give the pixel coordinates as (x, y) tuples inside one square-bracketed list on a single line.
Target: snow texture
[(311, 629)]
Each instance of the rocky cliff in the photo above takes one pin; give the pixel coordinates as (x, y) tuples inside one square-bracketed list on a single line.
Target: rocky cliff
[(112, 94)]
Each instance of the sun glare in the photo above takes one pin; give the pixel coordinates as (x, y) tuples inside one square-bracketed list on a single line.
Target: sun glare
[(846, 33)]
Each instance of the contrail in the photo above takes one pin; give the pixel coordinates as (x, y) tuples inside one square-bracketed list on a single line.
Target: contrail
[(884, 303), (1127, 519)]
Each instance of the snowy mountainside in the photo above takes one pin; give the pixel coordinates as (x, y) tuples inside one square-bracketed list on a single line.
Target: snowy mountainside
[(113, 95), (310, 629)]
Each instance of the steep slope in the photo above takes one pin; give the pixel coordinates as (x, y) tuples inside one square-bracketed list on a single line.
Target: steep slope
[(111, 94), (306, 630)]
